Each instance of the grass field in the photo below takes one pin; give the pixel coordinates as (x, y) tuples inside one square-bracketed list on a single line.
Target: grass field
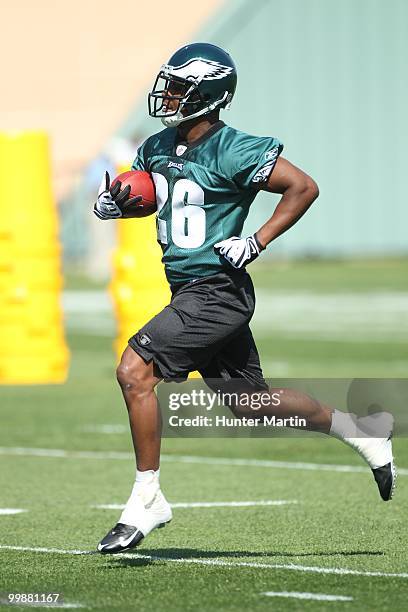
[(322, 528)]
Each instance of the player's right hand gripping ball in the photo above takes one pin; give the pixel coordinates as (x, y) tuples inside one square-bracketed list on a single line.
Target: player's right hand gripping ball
[(131, 194), (107, 204), (239, 251)]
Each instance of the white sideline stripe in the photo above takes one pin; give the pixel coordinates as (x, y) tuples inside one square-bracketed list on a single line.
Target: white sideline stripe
[(289, 465), (284, 566), (11, 510), (231, 504), (316, 596), (373, 316)]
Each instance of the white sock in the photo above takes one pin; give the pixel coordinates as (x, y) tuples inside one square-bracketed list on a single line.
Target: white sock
[(367, 435), (343, 425), (145, 483), (143, 477)]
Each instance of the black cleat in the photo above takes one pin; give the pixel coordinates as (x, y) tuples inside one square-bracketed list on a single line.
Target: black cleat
[(385, 478), (119, 539)]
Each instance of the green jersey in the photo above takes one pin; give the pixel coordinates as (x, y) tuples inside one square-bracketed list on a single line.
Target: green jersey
[(203, 191)]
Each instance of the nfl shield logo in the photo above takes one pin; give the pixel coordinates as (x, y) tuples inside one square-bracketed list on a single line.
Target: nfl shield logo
[(180, 149)]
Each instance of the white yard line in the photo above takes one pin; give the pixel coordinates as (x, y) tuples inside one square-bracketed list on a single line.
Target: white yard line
[(106, 429), (5, 602), (230, 504), (315, 596), (267, 463), (63, 605), (42, 549), (263, 463), (217, 562), (11, 511), (58, 453)]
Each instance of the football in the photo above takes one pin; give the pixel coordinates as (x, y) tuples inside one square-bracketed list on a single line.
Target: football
[(141, 184)]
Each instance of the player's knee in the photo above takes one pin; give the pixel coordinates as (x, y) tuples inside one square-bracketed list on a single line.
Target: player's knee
[(124, 374), (133, 375)]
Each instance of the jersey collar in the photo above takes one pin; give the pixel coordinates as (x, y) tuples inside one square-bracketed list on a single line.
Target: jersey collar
[(218, 125)]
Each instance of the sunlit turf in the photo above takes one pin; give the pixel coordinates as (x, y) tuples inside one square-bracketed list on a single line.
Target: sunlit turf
[(338, 522), (322, 275)]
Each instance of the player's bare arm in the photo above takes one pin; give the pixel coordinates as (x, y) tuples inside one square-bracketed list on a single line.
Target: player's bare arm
[(298, 190), (298, 193)]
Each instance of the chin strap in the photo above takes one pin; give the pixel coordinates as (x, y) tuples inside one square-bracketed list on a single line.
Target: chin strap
[(178, 118)]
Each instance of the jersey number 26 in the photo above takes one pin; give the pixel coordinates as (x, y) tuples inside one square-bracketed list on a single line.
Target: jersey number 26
[(187, 218)]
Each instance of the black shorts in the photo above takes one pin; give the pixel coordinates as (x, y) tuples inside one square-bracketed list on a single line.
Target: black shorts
[(206, 328)]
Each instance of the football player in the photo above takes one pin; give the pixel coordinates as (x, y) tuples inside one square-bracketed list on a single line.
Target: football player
[(207, 175)]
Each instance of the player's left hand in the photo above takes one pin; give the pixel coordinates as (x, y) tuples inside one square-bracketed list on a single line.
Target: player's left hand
[(239, 252)]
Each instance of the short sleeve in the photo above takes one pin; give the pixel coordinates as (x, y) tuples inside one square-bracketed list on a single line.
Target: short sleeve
[(139, 161), (257, 157)]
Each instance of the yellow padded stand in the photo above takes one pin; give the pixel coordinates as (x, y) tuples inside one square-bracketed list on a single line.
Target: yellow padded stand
[(32, 343)]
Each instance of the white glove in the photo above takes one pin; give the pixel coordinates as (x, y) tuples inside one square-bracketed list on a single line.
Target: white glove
[(239, 251), (108, 204)]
